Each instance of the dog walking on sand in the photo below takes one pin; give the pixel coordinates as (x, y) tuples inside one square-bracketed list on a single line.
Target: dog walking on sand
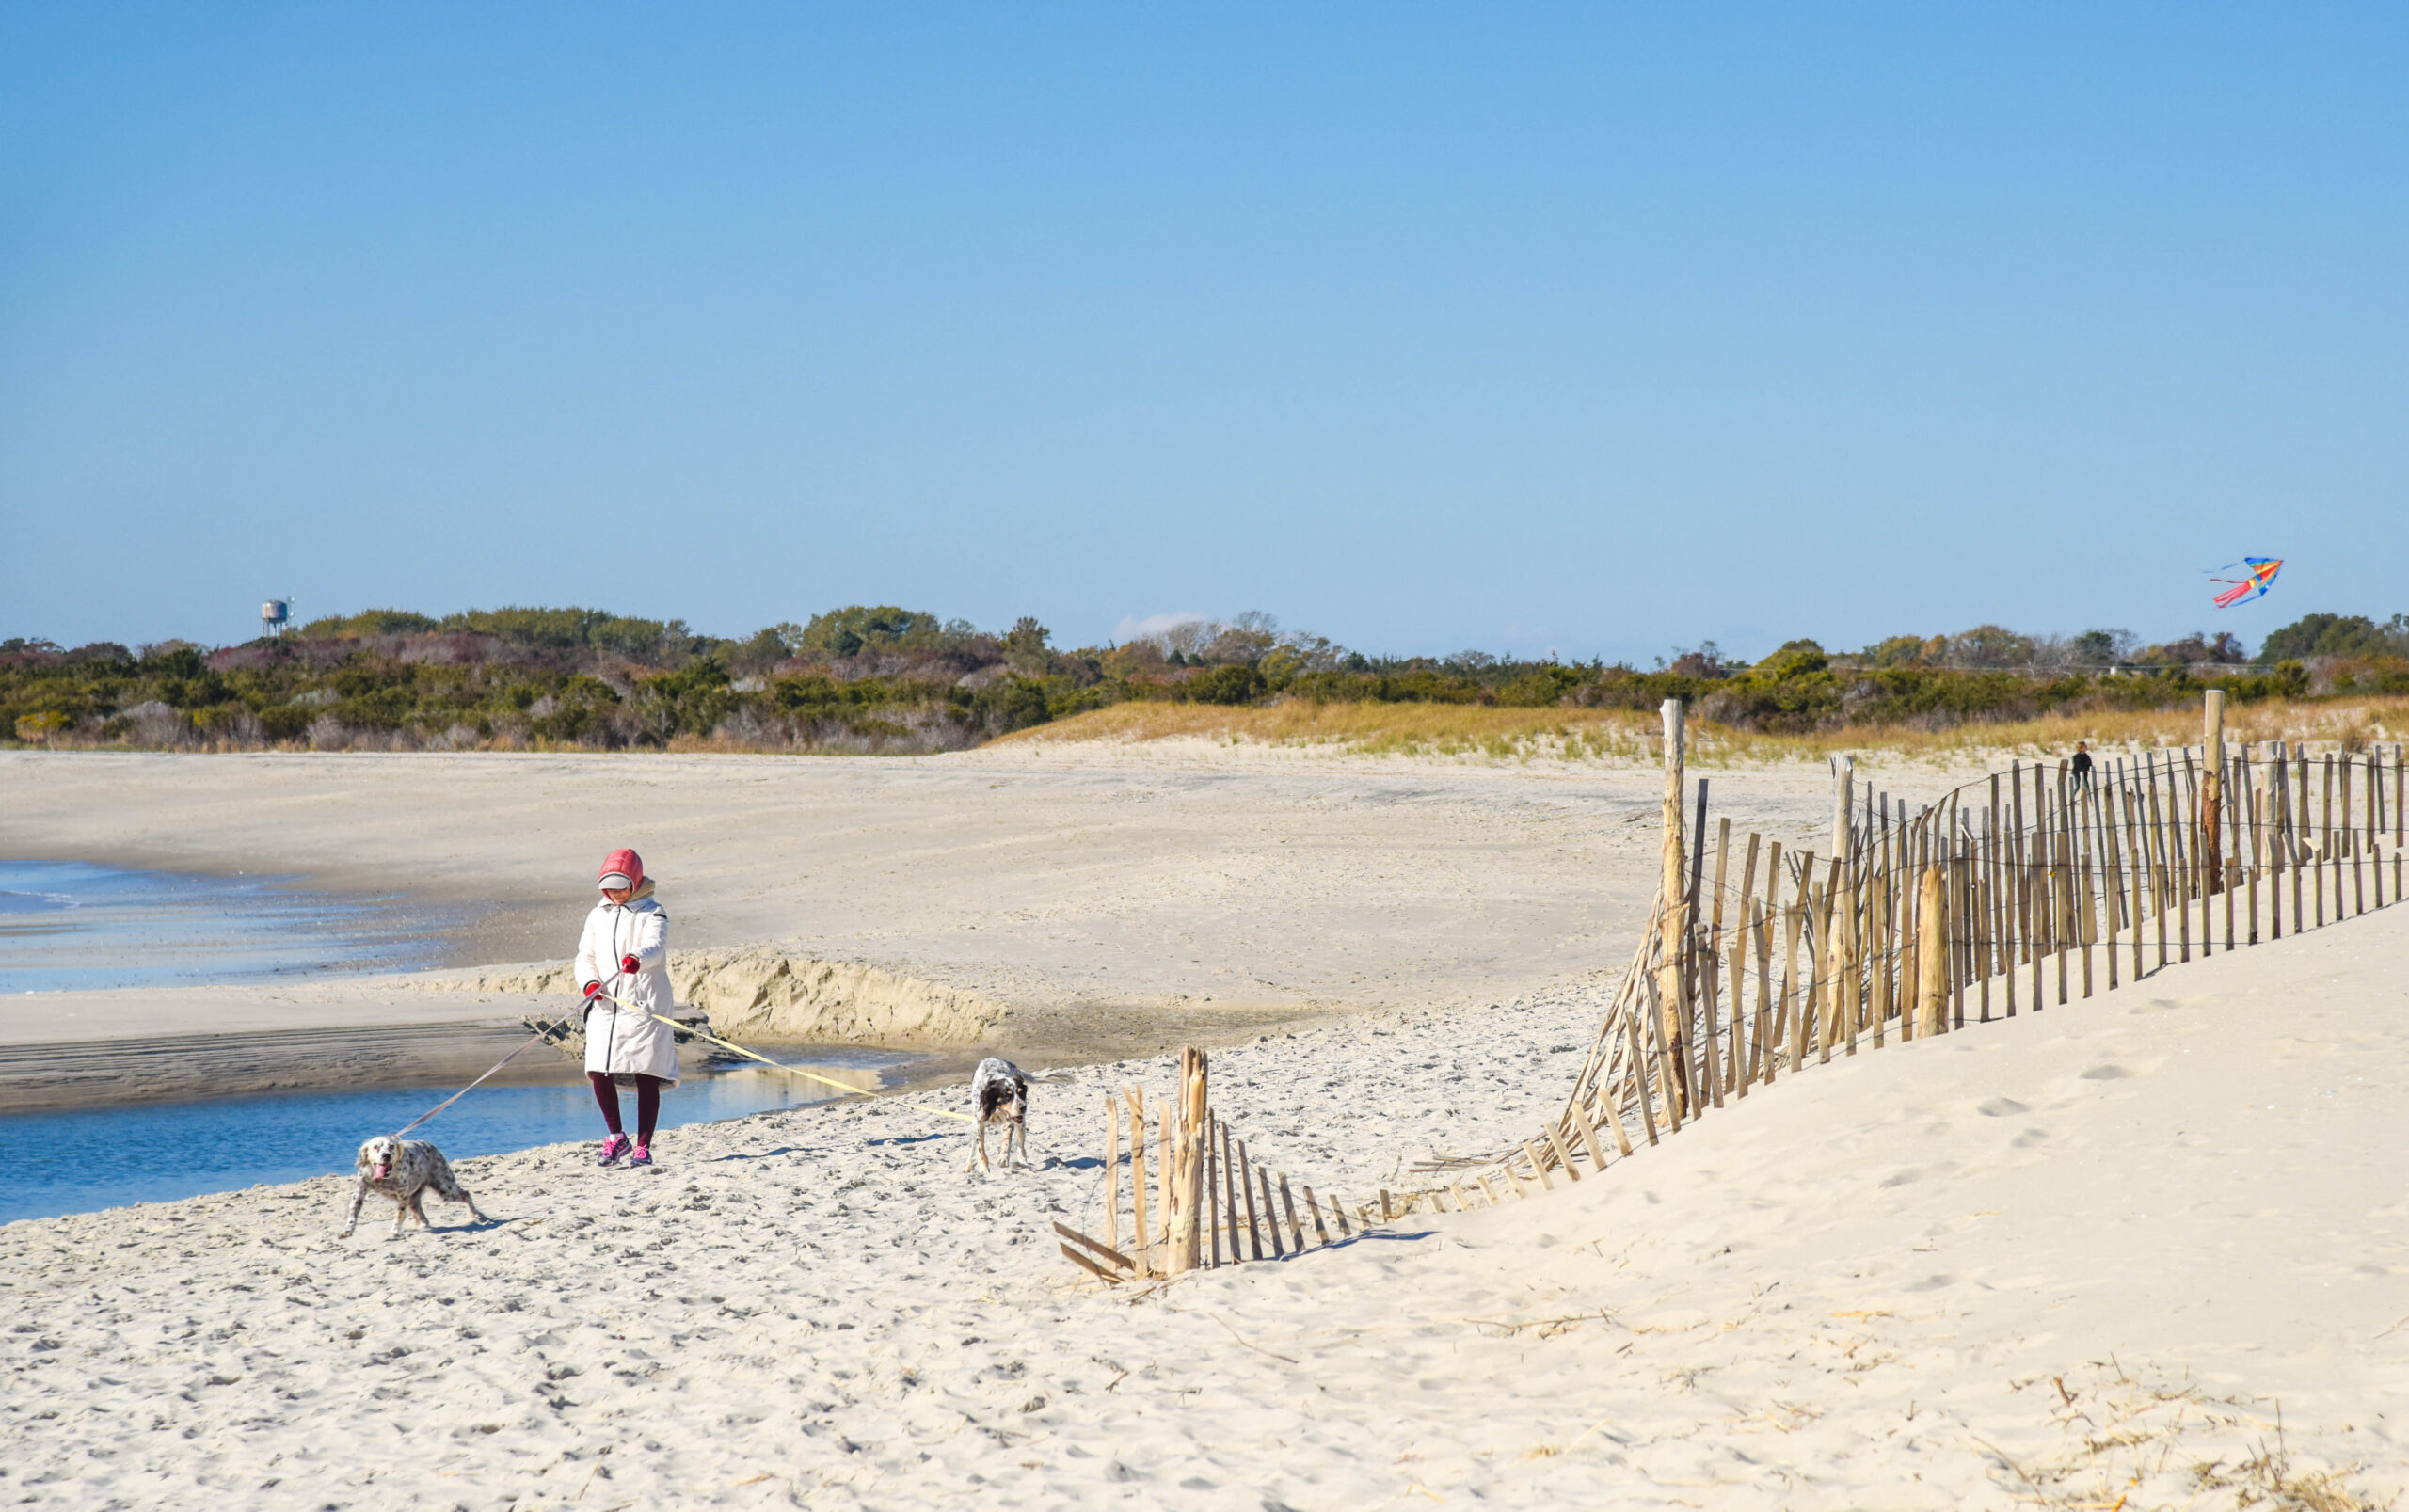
[(405, 1171)]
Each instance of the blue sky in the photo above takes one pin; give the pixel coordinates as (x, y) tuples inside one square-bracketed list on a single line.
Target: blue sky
[(1594, 329)]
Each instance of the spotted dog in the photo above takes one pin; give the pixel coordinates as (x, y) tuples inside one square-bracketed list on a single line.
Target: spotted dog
[(1000, 1092), (405, 1171)]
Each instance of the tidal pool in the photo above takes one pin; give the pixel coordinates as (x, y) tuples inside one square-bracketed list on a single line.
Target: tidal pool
[(80, 1162), (72, 924)]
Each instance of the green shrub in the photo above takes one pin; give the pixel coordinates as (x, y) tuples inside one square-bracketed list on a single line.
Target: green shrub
[(844, 631), (367, 622), (1542, 686), (1232, 685)]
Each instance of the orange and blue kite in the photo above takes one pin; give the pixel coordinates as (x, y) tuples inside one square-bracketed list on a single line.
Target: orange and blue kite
[(2257, 574)]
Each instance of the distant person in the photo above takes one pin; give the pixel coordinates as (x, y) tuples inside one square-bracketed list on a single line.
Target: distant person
[(623, 959), (2082, 766)]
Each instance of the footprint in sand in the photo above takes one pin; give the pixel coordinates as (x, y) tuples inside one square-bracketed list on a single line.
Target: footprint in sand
[(2000, 1107), (1916, 1173), (2029, 1139), (2106, 1074)]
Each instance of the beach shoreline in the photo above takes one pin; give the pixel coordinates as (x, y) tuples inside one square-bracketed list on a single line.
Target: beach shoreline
[(1073, 905)]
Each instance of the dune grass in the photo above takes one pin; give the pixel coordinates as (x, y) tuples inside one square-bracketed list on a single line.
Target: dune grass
[(1475, 732)]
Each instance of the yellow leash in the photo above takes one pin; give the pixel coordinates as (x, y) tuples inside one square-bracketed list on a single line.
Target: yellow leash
[(791, 1071)]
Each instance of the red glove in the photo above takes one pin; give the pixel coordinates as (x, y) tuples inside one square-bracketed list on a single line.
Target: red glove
[(593, 991), (629, 966)]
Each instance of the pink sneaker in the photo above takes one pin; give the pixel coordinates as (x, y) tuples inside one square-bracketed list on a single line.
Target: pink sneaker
[(613, 1148), (644, 1156)]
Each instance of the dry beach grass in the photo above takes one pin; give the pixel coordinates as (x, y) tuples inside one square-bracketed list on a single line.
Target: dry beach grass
[(1473, 731)]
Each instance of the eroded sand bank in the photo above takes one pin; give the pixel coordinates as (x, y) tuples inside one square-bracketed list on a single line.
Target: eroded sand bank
[(2021, 1265)]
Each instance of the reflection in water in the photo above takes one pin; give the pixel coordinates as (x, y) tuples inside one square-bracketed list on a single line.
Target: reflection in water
[(83, 1161), (69, 924)]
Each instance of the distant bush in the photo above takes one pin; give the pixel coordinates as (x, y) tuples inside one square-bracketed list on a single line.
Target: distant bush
[(367, 622), (1238, 684), (2336, 635), (847, 631)]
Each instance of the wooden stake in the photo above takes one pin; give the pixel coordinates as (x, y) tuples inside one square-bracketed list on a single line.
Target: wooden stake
[(1321, 1230), (1230, 1192), (1676, 919), (2325, 852), (1563, 1152), (1539, 1166), (1289, 1203), (1589, 1140), (1111, 1171), (1270, 1213), (1163, 1128), (1932, 954), (1795, 1008), (1253, 1232), (1638, 1072), (1186, 1171), (2211, 795), (1136, 1097)]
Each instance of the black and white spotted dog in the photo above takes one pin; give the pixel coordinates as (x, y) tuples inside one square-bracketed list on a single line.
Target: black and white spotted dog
[(999, 1092), (405, 1171)]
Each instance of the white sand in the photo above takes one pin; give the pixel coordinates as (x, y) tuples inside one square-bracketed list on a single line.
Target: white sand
[(1110, 900), (1873, 1285)]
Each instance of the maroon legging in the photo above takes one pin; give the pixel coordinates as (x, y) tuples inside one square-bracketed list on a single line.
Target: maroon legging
[(647, 1102)]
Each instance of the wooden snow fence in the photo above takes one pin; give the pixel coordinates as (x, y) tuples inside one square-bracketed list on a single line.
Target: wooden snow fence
[(2012, 893), (2015, 893)]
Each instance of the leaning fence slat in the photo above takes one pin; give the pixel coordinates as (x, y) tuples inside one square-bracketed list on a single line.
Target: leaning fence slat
[(1563, 1155), (1102, 1252), (1136, 1100), (1270, 1213), (1321, 1230)]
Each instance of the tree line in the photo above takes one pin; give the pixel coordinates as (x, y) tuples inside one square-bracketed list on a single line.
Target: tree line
[(881, 678)]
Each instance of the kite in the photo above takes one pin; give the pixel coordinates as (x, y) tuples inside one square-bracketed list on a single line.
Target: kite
[(2257, 575)]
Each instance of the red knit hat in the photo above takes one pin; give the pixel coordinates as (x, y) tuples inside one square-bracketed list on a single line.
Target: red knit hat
[(625, 863)]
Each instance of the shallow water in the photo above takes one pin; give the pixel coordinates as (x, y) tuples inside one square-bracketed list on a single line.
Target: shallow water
[(70, 924), (80, 1162)]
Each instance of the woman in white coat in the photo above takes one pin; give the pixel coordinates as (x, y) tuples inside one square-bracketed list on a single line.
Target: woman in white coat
[(623, 960)]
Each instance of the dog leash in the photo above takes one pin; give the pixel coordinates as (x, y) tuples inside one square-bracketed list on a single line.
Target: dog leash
[(471, 1087), (791, 1071)]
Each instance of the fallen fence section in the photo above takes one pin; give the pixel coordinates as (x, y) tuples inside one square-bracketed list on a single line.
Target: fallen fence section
[(1194, 1198)]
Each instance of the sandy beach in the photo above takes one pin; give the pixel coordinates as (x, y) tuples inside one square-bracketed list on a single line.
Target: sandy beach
[(1061, 901), (2084, 1254), (2093, 1253)]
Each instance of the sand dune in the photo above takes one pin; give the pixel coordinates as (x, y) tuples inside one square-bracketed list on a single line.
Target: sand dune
[(2018, 1266)]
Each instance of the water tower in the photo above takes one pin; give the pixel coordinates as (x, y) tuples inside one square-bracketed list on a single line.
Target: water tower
[(274, 615)]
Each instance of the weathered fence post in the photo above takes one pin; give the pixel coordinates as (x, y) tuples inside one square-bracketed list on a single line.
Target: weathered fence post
[(1839, 917), (1111, 1172), (1135, 1100), (1676, 922), (1187, 1164), (2212, 798), (1932, 953)]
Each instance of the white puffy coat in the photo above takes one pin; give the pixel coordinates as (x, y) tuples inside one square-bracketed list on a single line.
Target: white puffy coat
[(624, 1039)]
